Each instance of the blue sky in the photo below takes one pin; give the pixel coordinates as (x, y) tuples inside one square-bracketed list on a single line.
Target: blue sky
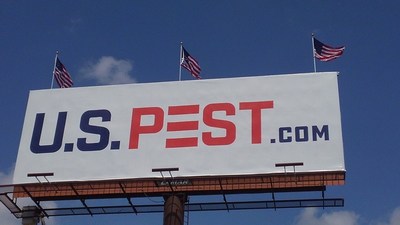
[(107, 42)]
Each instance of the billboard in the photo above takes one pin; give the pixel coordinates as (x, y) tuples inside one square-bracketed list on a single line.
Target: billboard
[(216, 127)]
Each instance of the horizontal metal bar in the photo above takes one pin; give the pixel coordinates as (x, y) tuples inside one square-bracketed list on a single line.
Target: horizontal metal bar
[(40, 174), (289, 164), (165, 169), (206, 206), (10, 204)]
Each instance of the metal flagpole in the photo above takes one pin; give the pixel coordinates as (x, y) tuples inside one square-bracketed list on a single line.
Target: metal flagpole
[(312, 42), (54, 69), (180, 61)]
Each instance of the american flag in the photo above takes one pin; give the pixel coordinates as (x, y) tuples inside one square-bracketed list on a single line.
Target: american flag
[(325, 52), (190, 63), (61, 75)]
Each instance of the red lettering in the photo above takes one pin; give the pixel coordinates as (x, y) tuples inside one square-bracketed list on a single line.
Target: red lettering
[(210, 119), (182, 126), (230, 127), (256, 108), (137, 128)]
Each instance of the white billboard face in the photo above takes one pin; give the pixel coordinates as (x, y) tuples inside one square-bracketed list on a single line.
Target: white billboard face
[(237, 126)]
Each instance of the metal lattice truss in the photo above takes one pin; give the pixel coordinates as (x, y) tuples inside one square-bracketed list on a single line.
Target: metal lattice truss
[(128, 191)]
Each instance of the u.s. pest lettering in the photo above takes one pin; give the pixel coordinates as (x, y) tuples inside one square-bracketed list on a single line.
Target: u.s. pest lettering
[(169, 120)]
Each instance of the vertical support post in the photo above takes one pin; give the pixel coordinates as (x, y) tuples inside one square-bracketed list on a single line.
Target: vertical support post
[(30, 215), (313, 47), (180, 61), (174, 209)]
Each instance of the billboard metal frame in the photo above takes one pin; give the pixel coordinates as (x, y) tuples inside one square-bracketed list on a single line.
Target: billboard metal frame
[(133, 189)]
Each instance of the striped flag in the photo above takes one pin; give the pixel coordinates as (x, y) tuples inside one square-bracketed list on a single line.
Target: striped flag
[(325, 52), (190, 63), (61, 75)]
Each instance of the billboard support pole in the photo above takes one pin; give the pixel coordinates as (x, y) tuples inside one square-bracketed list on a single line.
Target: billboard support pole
[(30, 215), (174, 209), (313, 46)]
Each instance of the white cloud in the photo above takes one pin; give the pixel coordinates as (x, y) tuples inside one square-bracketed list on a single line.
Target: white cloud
[(6, 178), (109, 70), (74, 23), (310, 216), (394, 218), (7, 218), (5, 215)]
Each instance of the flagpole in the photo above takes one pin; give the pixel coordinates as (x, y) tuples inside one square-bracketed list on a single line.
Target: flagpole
[(54, 69), (180, 61), (312, 42)]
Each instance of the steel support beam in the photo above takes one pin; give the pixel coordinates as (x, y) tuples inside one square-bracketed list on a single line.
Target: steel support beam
[(174, 210)]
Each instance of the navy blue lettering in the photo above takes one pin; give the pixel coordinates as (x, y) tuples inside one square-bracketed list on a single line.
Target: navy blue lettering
[(301, 133), (324, 132), (36, 147), (282, 134), (103, 132)]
